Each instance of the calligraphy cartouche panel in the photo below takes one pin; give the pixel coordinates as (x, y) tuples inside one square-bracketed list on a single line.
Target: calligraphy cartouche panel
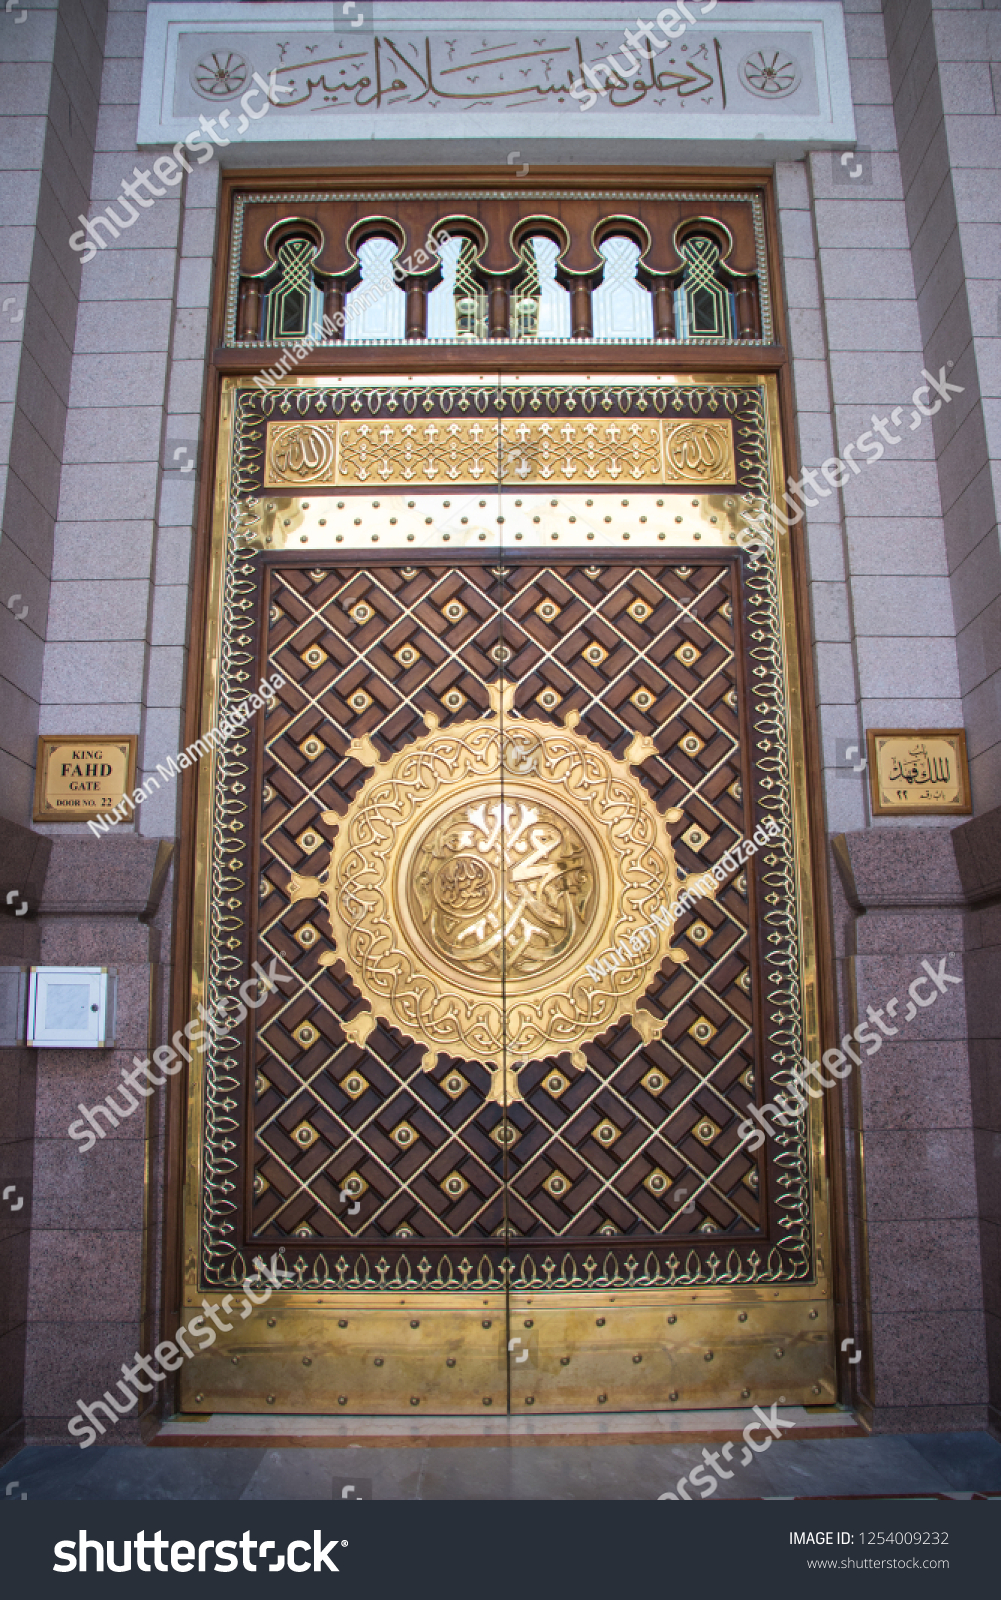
[(361, 1147), (721, 68), (324, 453)]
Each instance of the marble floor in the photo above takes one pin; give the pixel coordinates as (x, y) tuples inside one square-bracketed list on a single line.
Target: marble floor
[(956, 1465)]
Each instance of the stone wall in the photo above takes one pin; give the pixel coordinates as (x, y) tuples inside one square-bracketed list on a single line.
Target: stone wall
[(50, 74)]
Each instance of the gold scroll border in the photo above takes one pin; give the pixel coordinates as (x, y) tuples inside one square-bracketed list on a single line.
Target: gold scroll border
[(670, 473)]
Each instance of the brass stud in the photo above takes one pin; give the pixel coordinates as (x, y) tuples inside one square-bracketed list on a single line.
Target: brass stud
[(745, 1394), (450, 1361), (673, 1395), (814, 1315), (742, 1316), (672, 1317), (307, 1361), (601, 1399), (708, 1356), (486, 1324), (599, 1322), (529, 1399), (342, 1399), (415, 1324), (378, 1361), (779, 1354), (564, 1361), (487, 1401), (199, 1397), (272, 1322), (415, 1400), (342, 1324), (637, 1360), (235, 1360), (815, 1389), (529, 1323), (271, 1399)]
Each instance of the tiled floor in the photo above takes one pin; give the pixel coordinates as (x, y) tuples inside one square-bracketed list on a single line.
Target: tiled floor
[(954, 1464)]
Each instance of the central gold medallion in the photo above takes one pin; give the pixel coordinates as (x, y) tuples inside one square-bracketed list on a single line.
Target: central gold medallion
[(477, 875)]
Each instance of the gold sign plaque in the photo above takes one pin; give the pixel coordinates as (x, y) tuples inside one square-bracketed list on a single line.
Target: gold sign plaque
[(446, 452), (914, 770), (77, 776)]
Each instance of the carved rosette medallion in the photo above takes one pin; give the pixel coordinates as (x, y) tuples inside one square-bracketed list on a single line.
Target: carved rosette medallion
[(476, 875)]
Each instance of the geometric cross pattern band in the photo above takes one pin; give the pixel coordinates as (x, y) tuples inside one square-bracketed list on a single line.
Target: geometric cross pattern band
[(412, 453)]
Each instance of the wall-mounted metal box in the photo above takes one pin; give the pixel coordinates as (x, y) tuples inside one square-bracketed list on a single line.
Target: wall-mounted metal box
[(72, 1008)]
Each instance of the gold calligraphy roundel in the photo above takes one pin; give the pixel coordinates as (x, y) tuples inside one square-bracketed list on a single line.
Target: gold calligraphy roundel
[(501, 889), (481, 872)]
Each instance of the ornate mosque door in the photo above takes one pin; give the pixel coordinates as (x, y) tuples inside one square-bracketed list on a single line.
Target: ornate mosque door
[(534, 686)]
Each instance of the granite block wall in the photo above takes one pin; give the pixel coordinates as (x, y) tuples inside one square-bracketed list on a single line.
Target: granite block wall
[(882, 608), (117, 651), (23, 860), (977, 844), (50, 81), (912, 1134), (945, 110), (87, 1309)]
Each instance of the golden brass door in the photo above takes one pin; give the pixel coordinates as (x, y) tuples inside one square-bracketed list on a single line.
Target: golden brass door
[(534, 685)]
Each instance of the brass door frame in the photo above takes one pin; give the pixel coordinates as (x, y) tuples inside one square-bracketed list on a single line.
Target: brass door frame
[(725, 1338)]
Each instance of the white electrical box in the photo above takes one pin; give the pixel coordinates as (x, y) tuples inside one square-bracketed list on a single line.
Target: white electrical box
[(72, 1008)]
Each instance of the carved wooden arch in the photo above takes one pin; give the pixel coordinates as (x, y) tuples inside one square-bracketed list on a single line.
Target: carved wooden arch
[(717, 231), (254, 284)]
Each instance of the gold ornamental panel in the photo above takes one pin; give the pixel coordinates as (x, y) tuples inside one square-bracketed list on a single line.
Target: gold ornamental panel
[(445, 451), (476, 875)]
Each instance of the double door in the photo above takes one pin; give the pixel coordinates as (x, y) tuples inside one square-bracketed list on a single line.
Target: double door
[(490, 1134)]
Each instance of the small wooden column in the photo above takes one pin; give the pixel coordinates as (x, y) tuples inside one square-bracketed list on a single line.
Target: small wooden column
[(580, 310), (249, 308), (333, 310), (663, 310), (748, 316), (417, 309), (499, 312)]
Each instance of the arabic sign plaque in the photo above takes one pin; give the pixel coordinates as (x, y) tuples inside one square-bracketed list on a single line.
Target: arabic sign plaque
[(423, 73), (918, 770)]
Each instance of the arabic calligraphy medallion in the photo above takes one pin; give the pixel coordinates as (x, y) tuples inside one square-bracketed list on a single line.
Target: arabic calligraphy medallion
[(475, 876)]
